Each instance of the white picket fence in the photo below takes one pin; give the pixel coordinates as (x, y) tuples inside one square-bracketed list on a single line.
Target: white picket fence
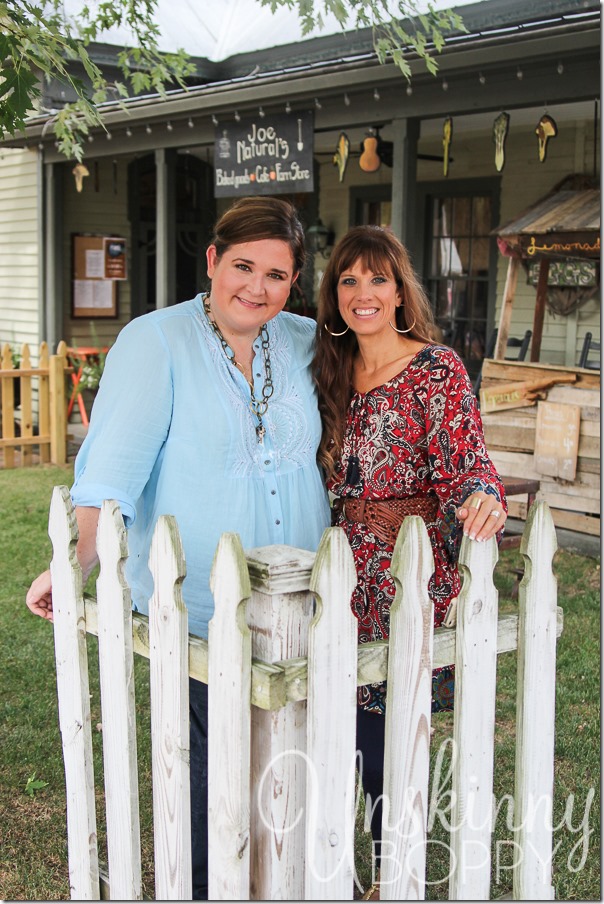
[(282, 664)]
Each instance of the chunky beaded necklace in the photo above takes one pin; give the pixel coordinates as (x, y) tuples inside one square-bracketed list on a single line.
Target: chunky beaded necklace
[(259, 407)]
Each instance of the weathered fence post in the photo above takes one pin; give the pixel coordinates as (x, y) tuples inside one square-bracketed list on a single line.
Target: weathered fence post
[(44, 402), (8, 406), (279, 614), (169, 674), (229, 705), (27, 423), (331, 720), (474, 723), (407, 758), (117, 705), (74, 698), (536, 710), (58, 410)]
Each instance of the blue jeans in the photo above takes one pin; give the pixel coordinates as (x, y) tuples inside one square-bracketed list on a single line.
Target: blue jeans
[(371, 735), (198, 716)]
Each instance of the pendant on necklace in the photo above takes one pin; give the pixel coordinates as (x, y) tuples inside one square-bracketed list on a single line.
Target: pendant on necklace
[(260, 431)]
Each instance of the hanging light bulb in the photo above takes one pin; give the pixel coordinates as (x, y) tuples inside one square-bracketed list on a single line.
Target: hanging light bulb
[(560, 68), (148, 129), (318, 104), (482, 79), (90, 139), (288, 107), (214, 119), (409, 90), (129, 132), (190, 123), (237, 116), (346, 100), (445, 85), (109, 136), (376, 94), (169, 126), (261, 113), (519, 74)]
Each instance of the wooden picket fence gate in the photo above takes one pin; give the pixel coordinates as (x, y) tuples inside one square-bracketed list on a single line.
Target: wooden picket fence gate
[(282, 664), (48, 380)]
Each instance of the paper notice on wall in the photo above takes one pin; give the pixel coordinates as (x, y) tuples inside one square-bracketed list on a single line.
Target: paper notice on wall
[(92, 293), (95, 264)]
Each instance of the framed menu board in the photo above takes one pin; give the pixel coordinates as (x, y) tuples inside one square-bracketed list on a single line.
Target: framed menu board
[(99, 263)]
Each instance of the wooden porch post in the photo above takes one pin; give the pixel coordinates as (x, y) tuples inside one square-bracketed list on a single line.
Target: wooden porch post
[(506, 308), (539, 309), (162, 255), (404, 164), (279, 616)]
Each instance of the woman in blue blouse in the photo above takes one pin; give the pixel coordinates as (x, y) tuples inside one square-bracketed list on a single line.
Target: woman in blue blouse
[(207, 411)]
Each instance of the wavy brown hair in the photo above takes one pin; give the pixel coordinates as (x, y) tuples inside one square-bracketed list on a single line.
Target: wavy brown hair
[(379, 251)]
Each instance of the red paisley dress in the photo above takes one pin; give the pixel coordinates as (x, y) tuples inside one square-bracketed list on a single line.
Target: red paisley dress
[(419, 433)]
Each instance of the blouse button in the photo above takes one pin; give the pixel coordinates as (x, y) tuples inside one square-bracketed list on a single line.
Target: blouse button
[(273, 492), (277, 521)]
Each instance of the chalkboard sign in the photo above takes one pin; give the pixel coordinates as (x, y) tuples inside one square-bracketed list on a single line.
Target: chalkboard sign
[(557, 439), (267, 155)]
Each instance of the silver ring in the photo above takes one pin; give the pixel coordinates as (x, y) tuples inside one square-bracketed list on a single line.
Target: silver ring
[(495, 514)]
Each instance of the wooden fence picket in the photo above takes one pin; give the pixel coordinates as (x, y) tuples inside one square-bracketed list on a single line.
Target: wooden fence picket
[(44, 417), (27, 425), (331, 724), (74, 698), (169, 681), (474, 723), (407, 758), (117, 706), (535, 710), (229, 674), (8, 410)]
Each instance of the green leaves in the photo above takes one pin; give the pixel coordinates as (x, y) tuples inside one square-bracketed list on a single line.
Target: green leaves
[(423, 35), (37, 42), (18, 91), (34, 784)]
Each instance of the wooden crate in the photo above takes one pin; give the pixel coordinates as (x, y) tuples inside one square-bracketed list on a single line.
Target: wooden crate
[(510, 437)]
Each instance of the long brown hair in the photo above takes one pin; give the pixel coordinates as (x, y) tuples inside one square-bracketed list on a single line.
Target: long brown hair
[(252, 219), (377, 250)]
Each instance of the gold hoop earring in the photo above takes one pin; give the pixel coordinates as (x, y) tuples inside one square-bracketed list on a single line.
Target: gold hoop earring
[(338, 334), (396, 330)]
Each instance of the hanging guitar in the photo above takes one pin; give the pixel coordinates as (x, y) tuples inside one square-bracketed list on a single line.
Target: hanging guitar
[(370, 159)]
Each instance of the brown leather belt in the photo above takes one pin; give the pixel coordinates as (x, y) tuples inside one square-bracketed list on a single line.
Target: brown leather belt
[(384, 517)]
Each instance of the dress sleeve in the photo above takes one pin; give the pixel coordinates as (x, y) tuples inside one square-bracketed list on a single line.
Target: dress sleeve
[(129, 422), (458, 460)]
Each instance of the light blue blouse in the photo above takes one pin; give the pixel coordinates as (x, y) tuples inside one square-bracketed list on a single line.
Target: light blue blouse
[(172, 432)]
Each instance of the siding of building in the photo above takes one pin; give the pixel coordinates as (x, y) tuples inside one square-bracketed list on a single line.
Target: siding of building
[(20, 264)]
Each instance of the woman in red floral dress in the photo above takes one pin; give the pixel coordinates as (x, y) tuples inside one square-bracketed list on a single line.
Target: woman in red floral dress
[(401, 435)]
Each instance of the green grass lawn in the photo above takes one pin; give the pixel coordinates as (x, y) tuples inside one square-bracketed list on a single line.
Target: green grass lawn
[(33, 855)]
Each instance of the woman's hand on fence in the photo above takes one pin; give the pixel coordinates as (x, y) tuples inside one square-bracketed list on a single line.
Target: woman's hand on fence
[(482, 515), (39, 596)]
